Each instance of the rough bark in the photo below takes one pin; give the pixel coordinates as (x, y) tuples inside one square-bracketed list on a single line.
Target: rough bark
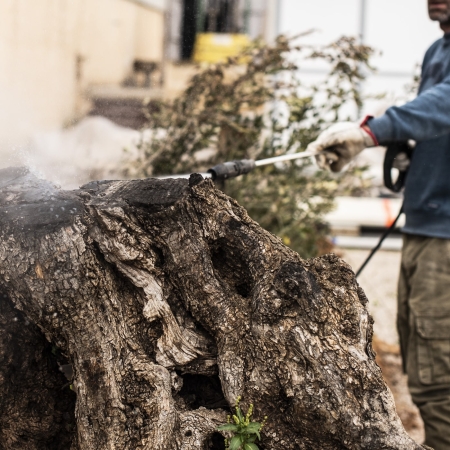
[(36, 403), (169, 302)]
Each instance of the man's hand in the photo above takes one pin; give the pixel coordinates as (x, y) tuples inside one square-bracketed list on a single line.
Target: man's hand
[(340, 143)]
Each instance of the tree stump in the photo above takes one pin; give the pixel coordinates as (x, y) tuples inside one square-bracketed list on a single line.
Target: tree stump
[(169, 302)]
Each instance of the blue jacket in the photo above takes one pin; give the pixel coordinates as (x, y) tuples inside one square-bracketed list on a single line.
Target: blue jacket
[(426, 119)]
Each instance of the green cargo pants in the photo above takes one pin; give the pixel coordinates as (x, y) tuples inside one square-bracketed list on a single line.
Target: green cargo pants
[(423, 323)]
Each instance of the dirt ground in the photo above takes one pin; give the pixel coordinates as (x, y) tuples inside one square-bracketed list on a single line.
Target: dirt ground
[(379, 281)]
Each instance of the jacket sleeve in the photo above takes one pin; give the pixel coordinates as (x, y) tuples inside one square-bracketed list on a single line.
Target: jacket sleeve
[(426, 117)]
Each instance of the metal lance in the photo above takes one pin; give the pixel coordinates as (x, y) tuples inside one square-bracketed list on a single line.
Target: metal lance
[(232, 169)]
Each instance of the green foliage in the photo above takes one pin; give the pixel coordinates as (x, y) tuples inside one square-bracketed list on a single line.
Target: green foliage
[(244, 432), (257, 106)]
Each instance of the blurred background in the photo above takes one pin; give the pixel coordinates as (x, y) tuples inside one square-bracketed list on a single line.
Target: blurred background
[(74, 75), (65, 60)]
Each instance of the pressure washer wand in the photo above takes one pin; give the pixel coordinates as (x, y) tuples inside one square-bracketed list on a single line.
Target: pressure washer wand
[(282, 158), (232, 169)]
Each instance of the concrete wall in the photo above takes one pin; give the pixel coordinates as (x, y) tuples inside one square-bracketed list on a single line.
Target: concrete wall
[(149, 39), (51, 50)]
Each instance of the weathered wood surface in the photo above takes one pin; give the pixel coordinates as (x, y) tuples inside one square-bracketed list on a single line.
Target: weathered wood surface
[(156, 289)]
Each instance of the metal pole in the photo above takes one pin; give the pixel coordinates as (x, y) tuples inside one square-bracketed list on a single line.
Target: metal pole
[(278, 18), (362, 39), (362, 21), (246, 16)]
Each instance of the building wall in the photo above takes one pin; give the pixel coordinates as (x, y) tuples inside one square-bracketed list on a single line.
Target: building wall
[(51, 50), (149, 35)]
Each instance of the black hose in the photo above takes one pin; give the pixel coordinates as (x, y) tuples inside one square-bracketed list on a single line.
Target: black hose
[(377, 247)]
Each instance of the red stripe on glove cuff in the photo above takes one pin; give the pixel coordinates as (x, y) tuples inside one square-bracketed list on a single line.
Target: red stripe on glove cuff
[(365, 126)]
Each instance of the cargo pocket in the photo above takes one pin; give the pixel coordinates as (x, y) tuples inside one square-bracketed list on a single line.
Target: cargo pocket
[(433, 349)]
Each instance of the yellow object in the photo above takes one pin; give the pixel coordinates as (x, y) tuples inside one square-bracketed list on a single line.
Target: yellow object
[(217, 47)]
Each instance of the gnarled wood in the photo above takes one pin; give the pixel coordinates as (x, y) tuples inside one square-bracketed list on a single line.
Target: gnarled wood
[(153, 287)]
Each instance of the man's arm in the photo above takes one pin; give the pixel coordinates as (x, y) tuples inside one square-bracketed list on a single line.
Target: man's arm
[(425, 117)]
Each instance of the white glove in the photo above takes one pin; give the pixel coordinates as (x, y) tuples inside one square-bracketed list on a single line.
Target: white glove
[(339, 144)]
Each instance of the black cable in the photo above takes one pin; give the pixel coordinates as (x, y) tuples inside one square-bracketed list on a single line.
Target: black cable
[(377, 247)]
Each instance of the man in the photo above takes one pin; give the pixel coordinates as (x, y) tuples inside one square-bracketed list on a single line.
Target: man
[(424, 287)]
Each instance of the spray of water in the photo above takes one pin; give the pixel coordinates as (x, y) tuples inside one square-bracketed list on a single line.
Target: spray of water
[(93, 149)]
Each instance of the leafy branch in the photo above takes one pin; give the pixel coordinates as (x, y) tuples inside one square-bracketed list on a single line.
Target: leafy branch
[(258, 105)]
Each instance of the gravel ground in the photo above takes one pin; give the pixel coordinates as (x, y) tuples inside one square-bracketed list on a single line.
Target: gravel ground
[(379, 281)]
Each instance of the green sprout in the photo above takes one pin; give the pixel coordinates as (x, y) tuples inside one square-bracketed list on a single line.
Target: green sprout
[(245, 432)]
